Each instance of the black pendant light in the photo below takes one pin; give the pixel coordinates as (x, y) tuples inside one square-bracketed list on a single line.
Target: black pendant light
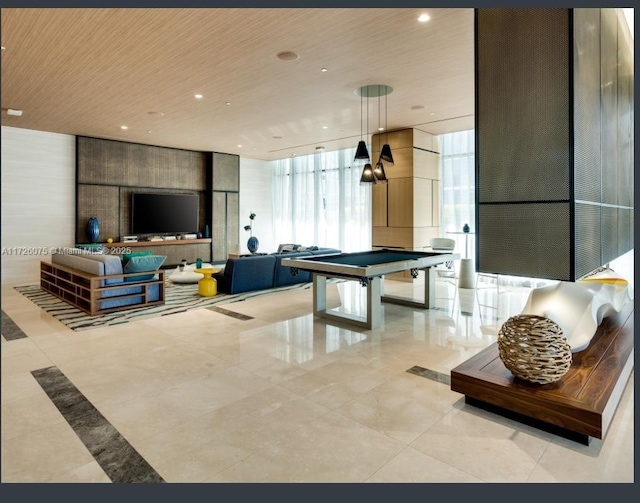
[(385, 152), (361, 150), (372, 174), (367, 175), (378, 173)]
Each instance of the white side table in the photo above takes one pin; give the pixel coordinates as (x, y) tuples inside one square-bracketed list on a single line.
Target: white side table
[(467, 275)]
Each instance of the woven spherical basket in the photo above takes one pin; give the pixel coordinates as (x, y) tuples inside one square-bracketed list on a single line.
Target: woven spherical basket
[(534, 348)]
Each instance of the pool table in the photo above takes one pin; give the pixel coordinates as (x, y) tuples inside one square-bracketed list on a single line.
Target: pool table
[(369, 268)]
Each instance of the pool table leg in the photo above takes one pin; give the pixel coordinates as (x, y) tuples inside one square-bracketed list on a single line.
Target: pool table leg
[(430, 287), (374, 304), (319, 294)]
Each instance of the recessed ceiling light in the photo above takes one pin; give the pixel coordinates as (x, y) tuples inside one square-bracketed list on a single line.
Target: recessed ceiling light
[(322, 70), (320, 147), (417, 107), (380, 128), (149, 131), (228, 103), (424, 18), (14, 112), (325, 127), (432, 113), (156, 114), (277, 137), (287, 56), (124, 127), (197, 96), (3, 47), (293, 155), (239, 146)]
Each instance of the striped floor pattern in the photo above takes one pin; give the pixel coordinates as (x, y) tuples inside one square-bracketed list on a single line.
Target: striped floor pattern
[(178, 299)]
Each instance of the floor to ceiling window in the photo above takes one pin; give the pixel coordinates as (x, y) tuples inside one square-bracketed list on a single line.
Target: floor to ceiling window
[(318, 200), (457, 154), (457, 158)]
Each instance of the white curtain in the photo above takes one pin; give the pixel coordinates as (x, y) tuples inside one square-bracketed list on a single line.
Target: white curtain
[(457, 155), (318, 200)]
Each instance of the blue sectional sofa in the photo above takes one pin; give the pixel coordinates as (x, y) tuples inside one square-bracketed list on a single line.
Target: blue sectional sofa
[(259, 272)]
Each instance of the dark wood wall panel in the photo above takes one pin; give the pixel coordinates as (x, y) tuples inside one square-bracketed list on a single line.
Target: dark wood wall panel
[(219, 231), (97, 201), (112, 162), (109, 172), (225, 206), (226, 175), (233, 225)]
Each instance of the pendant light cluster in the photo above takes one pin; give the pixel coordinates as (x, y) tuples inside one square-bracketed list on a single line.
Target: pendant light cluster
[(372, 174)]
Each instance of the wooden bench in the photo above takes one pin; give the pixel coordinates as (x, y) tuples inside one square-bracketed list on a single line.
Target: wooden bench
[(579, 406)]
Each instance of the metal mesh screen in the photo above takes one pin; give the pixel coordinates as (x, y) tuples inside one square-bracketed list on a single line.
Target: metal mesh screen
[(586, 102), (587, 235), (525, 240), (609, 229), (625, 100), (523, 99), (624, 231), (609, 78)]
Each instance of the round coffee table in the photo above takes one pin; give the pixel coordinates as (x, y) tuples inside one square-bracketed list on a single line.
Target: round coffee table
[(188, 275)]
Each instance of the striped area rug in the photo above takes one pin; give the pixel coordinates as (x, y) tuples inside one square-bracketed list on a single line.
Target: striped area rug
[(178, 299)]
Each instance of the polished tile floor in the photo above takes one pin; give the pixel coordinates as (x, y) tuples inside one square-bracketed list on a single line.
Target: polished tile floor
[(278, 396)]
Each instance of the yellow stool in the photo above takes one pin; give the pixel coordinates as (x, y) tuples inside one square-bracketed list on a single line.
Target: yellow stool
[(207, 286)]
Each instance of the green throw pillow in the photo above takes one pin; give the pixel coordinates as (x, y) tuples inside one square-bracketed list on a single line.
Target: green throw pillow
[(143, 263), (128, 256)]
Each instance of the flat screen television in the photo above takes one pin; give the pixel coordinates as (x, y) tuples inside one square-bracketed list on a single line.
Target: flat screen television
[(164, 213)]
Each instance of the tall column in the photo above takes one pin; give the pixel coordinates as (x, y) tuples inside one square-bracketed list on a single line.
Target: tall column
[(406, 209), (554, 141)]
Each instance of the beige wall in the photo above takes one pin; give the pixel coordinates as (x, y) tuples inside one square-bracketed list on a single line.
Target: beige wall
[(38, 200), (255, 195)]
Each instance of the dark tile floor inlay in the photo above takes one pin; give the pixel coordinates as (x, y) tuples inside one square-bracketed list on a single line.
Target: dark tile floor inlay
[(430, 374), (9, 329), (233, 314), (117, 457)]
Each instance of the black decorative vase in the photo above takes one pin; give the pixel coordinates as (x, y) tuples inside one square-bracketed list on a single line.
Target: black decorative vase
[(93, 229), (253, 244), (466, 228)]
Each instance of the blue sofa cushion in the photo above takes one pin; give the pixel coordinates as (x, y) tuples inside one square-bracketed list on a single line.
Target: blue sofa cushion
[(112, 265), (126, 257), (143, 264)]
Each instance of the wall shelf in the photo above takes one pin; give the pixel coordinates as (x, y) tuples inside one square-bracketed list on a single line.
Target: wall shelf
[(136, 244)]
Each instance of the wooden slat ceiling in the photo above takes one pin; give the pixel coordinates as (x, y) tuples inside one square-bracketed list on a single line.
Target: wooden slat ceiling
[(89, 71)]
